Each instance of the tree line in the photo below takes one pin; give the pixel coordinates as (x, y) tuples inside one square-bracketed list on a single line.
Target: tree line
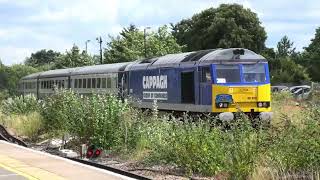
[(229, 25)]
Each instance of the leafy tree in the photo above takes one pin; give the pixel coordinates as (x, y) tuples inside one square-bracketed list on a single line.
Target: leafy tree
[(283, 63), (129, 45), (229, 25), (14, 73), (288, 72), (42, 58), (74, 58), (3, 76), (311, 57), (285, 47)]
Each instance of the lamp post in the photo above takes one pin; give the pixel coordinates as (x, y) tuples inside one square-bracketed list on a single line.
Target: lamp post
[(99, 39), (145, 40), (87, 41)]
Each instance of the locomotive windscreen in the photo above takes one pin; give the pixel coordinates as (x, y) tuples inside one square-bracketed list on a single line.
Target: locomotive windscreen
[(254, 73)]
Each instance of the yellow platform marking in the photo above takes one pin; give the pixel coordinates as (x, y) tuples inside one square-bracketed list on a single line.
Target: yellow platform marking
[(25, 170)]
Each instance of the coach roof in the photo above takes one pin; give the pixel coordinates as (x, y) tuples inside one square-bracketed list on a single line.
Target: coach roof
[(57, 73), (100, 69), (31, 76)]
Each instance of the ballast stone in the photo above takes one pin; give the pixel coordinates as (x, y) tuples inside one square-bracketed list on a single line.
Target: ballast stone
[(68, 153)]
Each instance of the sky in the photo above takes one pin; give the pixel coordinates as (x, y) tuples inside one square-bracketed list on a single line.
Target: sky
[(27, 26)]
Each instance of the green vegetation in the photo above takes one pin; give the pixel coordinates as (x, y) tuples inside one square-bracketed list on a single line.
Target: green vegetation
[(129, 45), (289, 145), (229, 25)]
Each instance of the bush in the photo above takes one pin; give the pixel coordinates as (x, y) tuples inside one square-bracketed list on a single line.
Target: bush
[(3, 95), (20, 105), (96, 119)]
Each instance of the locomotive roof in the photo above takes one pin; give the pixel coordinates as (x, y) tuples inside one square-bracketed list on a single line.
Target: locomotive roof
[(100, 69), (200, 57)]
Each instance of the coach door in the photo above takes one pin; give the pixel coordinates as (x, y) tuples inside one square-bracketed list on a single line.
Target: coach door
[(187, 87)]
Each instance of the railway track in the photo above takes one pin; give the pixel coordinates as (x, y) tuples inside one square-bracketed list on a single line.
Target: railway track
[(4, 135), (108, 168)]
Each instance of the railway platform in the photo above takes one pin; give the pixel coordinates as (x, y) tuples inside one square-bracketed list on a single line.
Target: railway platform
[(17, 163)]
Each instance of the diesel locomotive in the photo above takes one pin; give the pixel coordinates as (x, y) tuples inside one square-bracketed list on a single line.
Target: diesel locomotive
[(220, 81)]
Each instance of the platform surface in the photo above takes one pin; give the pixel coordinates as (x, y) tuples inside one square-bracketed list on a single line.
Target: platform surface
[(17, 163)]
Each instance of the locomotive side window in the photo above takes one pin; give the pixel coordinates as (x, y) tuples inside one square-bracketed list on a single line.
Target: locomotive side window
[(205, 75), (228, 73)]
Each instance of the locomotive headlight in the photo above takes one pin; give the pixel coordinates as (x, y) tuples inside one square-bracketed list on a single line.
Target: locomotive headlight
[(225, 105), (220, 105), (263, 104)]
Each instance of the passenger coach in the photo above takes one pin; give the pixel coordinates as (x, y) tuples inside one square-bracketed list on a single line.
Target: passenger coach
[(222, 81)]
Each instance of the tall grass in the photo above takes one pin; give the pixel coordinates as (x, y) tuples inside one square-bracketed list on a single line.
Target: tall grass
[(291, 146), (28, 126)]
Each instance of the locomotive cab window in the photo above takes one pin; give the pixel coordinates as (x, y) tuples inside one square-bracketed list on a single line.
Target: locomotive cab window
[(254, 73), (228, 73), (205, 75)]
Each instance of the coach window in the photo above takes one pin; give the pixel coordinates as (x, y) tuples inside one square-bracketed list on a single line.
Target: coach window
[(84, 83), (104, 83), (108, 82), (205, 74), (89, 83), (80, 83), (76, 83), (94, 81), (228, 73), (98, 82)]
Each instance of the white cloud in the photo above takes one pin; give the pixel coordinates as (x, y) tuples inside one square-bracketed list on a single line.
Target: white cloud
[(14, 55), (82, 10), (57, 24)]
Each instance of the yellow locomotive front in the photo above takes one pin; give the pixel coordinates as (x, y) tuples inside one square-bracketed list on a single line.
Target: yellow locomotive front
[(241, 86)]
